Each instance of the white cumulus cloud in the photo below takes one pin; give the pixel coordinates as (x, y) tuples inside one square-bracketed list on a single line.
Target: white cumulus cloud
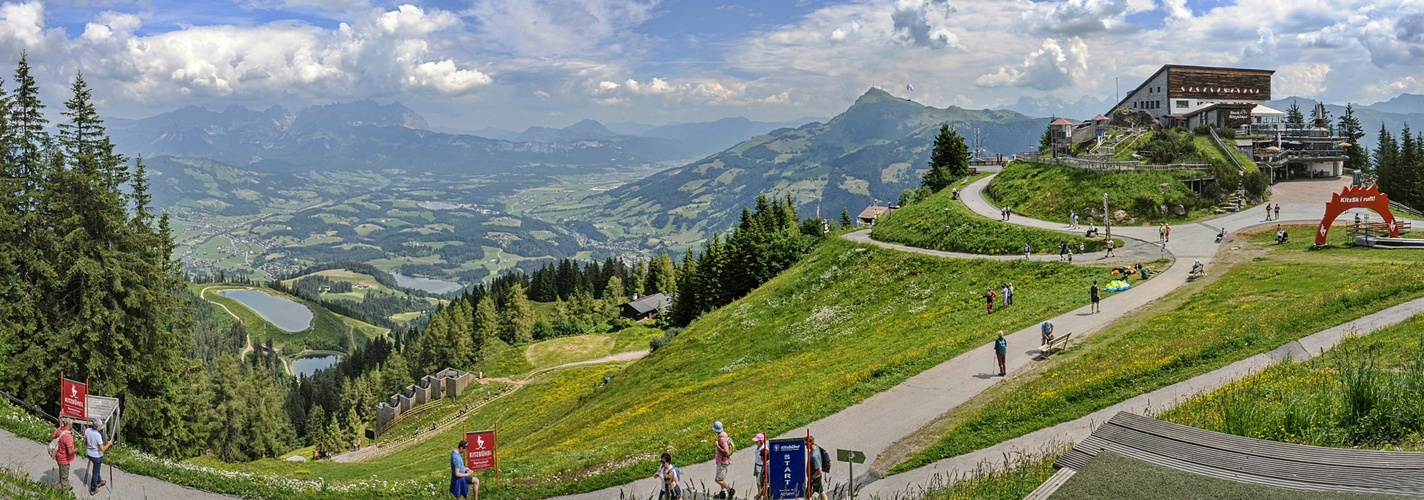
[(1051, 67)]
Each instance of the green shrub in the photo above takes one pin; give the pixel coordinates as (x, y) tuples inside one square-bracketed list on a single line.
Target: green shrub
[(667, 336)]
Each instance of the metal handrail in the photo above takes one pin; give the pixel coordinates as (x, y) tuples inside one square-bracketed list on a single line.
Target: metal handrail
[(31, 408), (1228, 152)]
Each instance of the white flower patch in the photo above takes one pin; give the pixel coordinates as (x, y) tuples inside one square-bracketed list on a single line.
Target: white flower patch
[(817, 324)]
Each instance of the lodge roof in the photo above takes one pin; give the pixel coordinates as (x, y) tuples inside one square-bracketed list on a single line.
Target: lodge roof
[(649, 304)]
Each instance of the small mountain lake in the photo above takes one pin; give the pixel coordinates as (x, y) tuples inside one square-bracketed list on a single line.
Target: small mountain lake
[(426, 284), (287, 314), (307, 365)]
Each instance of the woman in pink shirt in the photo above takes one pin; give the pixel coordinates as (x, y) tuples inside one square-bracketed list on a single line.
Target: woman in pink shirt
[(65, 455)]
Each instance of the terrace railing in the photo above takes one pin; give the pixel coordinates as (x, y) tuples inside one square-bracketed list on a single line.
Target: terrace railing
[(1103, 165)]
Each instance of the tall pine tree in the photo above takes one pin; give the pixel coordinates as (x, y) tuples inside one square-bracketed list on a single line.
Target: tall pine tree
[(1352, 131), (949, 160)]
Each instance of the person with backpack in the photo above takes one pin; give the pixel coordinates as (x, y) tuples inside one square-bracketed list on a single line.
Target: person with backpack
[(669, 479), (763, 455), (61, 449), (817, 466), (1001, 351), (722, 456), (94, 448)]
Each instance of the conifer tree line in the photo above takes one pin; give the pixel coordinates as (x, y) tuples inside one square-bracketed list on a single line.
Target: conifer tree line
[(1398, 166), (587, 296), (87, 285), (767, 240), (88, 288)]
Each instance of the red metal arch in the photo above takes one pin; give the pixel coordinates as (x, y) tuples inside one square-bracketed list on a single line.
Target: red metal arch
[(1356, 197)]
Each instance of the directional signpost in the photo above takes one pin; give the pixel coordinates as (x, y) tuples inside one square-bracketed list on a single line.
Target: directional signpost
[(850, 457)]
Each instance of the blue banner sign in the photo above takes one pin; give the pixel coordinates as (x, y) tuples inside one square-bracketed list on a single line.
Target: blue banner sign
[(787, 471)]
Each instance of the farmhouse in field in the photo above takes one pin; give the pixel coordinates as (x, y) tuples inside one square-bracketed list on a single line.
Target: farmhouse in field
[(867, 217), (646, 307)]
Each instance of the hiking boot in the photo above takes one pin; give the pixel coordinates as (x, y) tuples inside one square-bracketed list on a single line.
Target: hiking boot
[(731, 493), (720, 495)]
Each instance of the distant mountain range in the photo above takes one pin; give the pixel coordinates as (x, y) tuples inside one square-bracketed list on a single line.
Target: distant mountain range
[(1409, 104), (703, 138), (1048, 106), (870, 153), (364, 135)]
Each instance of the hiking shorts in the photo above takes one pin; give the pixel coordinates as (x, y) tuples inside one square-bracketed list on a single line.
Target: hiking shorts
[(721, 472), (817, 485)]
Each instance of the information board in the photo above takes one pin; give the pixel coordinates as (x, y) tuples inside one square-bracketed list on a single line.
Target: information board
[(73, 398), (787, 470), (480, 455)]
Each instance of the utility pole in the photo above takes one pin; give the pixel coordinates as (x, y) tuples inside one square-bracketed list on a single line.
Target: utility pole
[(1107, 217)]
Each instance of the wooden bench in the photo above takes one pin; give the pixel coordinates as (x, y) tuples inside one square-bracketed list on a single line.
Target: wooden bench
[(1242, 459), (1057, 344)]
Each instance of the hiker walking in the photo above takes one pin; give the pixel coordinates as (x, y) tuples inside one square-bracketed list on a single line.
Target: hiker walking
[(1047, 328), (94, 448), (461, 477), (722, 456), (1110, 249), (1095, 295), (1001, 352), (989, 299), (1162, 233), (1026, 250), (1070, 256), (1166, 233), (669, 479), (1062, 247), (763, 455), (1278, 211), (1004, 292), (1268, 211), (62, 449), (1011, 293), (817, 464)]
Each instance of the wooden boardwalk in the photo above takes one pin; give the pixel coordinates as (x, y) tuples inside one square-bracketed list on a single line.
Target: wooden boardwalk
[(1242, 459)]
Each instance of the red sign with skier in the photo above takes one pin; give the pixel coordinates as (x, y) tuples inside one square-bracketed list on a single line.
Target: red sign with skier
[(72, 398), (481, 450)]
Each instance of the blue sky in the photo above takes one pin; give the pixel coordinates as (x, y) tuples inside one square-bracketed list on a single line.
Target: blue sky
[(515, 63)]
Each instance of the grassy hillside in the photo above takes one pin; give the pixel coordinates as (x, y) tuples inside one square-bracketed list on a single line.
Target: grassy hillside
[(922, 225), (1284, 292), (788, 331), (847, 322), (1050, 192), (1311, 402)]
